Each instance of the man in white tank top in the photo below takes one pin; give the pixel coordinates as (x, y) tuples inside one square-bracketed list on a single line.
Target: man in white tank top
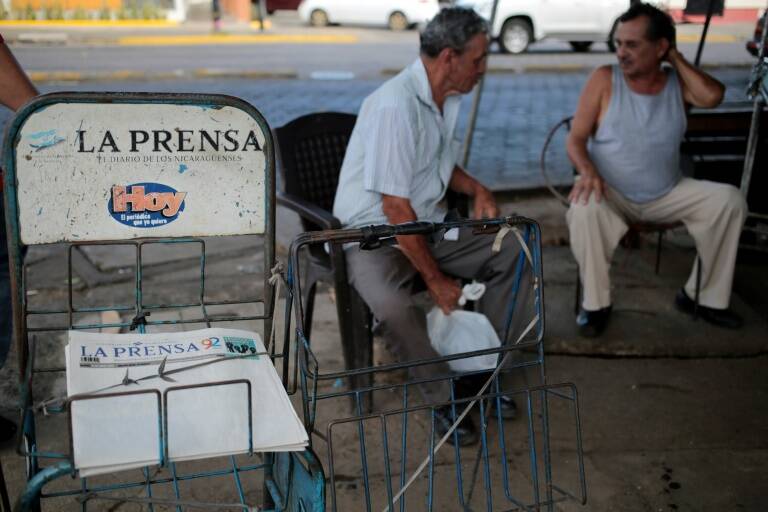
[(624, 143)]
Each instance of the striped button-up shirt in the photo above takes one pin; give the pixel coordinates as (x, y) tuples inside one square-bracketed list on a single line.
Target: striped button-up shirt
[(403, 146)]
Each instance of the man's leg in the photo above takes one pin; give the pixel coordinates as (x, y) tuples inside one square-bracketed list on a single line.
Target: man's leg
[(595, 230), (384, 278), (471, 257), (714, 215)]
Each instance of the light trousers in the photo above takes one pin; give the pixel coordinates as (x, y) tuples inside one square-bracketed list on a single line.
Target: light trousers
[(712, 212)]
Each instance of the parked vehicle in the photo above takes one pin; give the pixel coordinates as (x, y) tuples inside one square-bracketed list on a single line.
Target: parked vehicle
[(274, 5), (753, 45), (519, 23), (395, 14)]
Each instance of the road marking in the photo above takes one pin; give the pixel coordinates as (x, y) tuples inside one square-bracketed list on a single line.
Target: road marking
[(215, 39), (332, 75), (711, 38)]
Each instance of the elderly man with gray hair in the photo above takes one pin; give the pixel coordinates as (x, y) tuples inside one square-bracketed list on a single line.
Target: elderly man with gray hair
[(401, 159)]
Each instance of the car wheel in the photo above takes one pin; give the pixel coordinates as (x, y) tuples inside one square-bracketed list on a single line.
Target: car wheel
[(581, 46), (516, 35), (318, 18), (397, 21)]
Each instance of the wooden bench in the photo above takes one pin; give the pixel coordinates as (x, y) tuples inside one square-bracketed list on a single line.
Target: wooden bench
[(716, 144), (715, 148)]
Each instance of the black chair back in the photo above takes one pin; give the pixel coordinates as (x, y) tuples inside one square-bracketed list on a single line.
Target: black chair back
[(312, 150)]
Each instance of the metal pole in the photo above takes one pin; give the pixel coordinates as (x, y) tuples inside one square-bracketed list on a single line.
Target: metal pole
[(710, 11), (262, 16), (757, 89), (476, 102)]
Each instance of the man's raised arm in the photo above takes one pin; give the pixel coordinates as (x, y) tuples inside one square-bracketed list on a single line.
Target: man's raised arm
[(444, 290), (584, 125), (699, 88)]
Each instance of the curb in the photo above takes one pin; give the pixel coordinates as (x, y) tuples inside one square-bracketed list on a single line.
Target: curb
[(108, 24), (88, 24), (227, 39), (711, 38), (123, 75)]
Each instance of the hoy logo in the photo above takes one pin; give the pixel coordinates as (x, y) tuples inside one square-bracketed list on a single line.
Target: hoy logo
[(145, 205)]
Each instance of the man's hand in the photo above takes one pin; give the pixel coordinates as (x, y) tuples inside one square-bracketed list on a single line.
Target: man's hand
[(672, 55), (485, 204), (586, 185), (444, 291)]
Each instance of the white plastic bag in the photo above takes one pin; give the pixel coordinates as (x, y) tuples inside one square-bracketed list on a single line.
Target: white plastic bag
[(463, 331)]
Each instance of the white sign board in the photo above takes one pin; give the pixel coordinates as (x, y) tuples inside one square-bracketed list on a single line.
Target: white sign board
[(111, 171)]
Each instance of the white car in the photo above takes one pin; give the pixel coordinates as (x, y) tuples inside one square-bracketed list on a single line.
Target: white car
[(395, 14), (519, 23)]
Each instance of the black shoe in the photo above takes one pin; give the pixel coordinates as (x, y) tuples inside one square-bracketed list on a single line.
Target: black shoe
[(591, 324), (465, 433), (7, 429), (719, 317), (507, 410)]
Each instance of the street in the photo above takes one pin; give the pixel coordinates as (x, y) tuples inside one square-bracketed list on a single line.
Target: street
[(673, 411), (371, 52)]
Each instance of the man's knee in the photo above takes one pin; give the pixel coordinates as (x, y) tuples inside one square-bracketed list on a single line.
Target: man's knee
[(580, 214), (394, 309), (731, 200)]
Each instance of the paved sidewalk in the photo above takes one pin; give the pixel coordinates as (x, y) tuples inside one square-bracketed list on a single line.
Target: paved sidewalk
[(673, 411)]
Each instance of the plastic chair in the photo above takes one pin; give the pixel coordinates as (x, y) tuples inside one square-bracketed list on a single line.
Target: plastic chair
[(312, 150), (635, 228)]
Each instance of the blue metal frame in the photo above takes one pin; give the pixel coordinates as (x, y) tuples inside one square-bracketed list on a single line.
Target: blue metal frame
[(292, 481), (544, 492)]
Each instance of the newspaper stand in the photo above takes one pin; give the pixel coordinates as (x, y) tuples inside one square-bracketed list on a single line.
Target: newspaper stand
[(207, 161), (389, 457)]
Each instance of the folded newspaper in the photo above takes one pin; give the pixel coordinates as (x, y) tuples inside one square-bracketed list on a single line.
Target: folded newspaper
[(208, 390)]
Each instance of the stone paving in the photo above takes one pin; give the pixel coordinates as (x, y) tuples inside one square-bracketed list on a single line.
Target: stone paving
[(515, 115)]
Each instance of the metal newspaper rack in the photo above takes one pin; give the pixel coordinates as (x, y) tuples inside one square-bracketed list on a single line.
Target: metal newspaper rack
[(385, 454), (202, 167)]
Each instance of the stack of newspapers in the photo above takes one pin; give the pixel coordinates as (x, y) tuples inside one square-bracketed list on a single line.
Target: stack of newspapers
[(145, 399)]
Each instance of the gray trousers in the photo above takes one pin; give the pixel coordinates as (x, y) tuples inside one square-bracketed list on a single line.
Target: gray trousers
[(385, 278)]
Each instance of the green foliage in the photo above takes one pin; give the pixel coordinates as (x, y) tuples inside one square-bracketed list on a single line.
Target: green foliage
[(105, 13), (123, 13), (150, 11), (29, 13), (80, 14), (53, 11), (3, 12)]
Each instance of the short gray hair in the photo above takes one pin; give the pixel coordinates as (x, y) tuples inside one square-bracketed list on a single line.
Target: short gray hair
[(451, 28)]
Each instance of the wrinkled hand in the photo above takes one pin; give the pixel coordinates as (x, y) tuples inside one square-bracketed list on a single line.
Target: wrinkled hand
[(485, 204), (672, 54), (445, 292), (586, 185)]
